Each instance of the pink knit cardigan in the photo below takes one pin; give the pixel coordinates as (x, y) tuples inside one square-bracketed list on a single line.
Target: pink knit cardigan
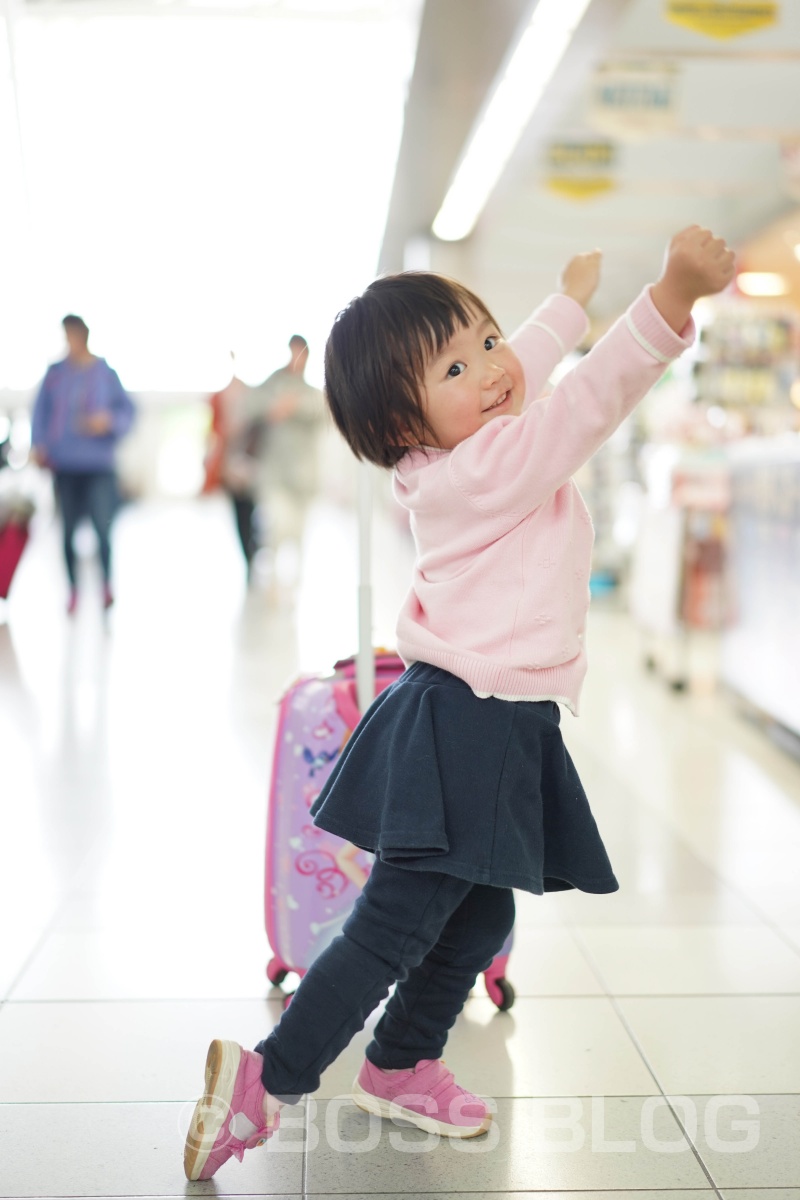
[(500, 587)]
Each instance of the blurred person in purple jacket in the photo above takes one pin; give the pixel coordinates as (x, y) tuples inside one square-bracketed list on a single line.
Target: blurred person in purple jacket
[(80, 413)]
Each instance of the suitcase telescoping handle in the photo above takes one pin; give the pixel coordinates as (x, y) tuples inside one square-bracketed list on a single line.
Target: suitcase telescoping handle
[(365, 660)]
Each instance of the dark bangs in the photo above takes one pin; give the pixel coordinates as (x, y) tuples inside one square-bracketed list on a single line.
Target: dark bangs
[(377, 353), (429, 310)]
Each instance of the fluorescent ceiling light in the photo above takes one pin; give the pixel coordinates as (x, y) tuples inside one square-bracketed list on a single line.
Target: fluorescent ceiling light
[(506, 114), (796, 250), (762, 283)]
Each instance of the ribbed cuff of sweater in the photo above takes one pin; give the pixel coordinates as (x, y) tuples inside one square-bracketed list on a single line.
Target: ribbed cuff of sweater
[(653, 333), (563, 318)]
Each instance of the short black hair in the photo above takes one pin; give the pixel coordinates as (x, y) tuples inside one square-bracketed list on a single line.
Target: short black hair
[(71, 321), (297, 339), (376, 356)]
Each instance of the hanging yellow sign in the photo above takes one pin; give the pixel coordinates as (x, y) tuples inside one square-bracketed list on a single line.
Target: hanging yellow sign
[(579, 189), (722, 18), (581, 170)]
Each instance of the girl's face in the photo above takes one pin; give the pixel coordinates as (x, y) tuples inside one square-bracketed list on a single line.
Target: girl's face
[(475, 378)]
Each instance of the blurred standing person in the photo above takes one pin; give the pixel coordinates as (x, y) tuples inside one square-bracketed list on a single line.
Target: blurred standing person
[(236, 438), (79, 415), (293, 410), (215, 440)]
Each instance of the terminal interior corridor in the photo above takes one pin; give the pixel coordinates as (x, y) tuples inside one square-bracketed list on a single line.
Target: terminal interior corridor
[(654, 1046)]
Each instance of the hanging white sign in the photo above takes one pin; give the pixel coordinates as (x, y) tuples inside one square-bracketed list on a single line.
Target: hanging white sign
[(634, 101)]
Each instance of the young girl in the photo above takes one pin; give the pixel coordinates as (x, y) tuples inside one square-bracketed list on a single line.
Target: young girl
[(457, 777)]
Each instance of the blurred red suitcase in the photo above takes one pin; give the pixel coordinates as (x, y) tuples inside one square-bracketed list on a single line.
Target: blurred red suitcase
[(13, 539)]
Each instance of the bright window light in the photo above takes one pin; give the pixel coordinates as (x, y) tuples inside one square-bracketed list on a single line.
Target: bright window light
[(199, 184), (762, 283), (504, 118)]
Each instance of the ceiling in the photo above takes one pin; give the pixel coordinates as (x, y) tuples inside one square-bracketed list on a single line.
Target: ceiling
[(721, 164)]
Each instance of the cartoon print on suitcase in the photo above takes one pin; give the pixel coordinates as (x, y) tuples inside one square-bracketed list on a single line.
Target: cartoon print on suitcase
[(312, 876)]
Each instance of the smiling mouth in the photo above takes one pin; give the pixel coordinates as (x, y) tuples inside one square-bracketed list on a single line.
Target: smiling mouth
[(499, 402)]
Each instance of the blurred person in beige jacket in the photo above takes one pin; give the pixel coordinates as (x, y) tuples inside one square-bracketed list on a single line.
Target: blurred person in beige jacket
[(292, 411)]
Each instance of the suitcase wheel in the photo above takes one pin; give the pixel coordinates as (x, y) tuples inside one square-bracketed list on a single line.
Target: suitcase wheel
[(276, 971), (501, 993)]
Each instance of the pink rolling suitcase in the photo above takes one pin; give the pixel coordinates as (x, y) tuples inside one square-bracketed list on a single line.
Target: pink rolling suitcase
[(313, 877)]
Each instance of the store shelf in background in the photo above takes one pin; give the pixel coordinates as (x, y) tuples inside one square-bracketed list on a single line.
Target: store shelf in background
[(678, 573), (761, 648), (747, 365)]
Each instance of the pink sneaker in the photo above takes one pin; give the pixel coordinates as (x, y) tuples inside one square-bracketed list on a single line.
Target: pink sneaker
[(72, 603), (427, 1096), (229, 1118), (108, 595)]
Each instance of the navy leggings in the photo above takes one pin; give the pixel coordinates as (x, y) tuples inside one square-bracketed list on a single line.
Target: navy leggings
[(430, 933), (91, 494)]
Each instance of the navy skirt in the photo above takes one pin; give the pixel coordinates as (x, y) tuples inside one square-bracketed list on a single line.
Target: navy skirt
[(436, 779)]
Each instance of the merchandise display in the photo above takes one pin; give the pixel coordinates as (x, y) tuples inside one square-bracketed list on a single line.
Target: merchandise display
[(602, 482), (760, 649), (738, 394), (746, 363)]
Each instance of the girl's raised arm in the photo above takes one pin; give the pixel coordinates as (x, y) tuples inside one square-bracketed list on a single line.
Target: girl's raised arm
[(558, 325), (513, 465)]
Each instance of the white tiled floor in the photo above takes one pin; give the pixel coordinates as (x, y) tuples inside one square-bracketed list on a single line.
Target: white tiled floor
[(654, 1047)]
